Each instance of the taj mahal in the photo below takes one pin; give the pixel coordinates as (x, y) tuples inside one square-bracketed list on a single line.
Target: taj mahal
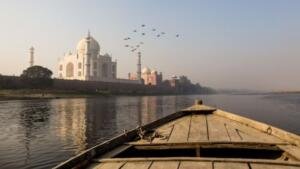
[(88, 64)]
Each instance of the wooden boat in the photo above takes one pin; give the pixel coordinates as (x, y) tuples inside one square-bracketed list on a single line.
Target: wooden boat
[(196, 137)]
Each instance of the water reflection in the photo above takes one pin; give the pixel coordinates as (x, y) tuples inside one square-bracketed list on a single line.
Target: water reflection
[(71, 115), (32, 118)]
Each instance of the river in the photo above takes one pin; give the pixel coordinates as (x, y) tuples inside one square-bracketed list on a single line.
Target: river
[(43, 133)]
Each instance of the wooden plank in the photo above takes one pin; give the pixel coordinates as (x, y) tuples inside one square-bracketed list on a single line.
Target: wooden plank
[(230, 165), (240, 132), (197, 159), (291, 150), (164, 165), (284, 135), (137, 165), (271, 166), (195, 164), (108, 165), (216, 129), (180, 131), (198, 129), (164, 133), (237, 131), (232, 132)]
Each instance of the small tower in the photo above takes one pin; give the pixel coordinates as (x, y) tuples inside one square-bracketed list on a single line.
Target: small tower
[(88, 57), (139, 67), (31, 59)]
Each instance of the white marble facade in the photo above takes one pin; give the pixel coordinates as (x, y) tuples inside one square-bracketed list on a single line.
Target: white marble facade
[(87, 63)]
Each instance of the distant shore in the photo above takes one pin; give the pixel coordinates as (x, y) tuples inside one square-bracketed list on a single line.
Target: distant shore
[(29, 94), (33, 94), (286, 92)]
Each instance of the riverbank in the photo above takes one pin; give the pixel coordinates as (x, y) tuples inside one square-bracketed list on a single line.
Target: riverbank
[(32, 94), (29, 94), (12, 87)]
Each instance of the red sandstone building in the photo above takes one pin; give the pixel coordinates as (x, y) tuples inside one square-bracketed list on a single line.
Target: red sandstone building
[(149, 77)]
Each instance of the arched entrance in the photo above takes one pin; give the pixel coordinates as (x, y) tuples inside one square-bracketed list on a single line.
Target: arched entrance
[(70, 70)]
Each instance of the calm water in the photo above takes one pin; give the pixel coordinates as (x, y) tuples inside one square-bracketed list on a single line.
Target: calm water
[(40, 134)]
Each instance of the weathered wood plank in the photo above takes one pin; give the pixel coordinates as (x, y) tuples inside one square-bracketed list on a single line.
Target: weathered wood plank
[(164, 134), (241, 132), (237, 131), (284, 135), (232, 132), (197, 159), (270, 166), (291, 150), (198, 129), (164, 165), (109, 165), (228, 165), (181, 130), (195, 165), (216, 129), (166, 130), (135, 165)]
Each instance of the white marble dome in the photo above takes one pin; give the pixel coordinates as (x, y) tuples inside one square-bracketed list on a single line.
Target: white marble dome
[(153, 72), (82, 45), (146, 70)]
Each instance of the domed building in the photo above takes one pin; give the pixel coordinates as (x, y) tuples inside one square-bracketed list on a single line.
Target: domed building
[(87, 63), (149, 77)]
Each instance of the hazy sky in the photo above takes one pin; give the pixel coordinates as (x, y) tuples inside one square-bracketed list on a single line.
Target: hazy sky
[(251, 44)]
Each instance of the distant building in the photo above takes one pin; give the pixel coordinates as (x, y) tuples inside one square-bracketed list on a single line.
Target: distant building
[(31, 56), (149, 77), (173, 82), (88, 64)]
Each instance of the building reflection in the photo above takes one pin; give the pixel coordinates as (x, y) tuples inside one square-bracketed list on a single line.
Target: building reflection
[(101, 119), (71, 116), (137, 111), (85, 122), (33, 118), (151, 108), (154, 107)]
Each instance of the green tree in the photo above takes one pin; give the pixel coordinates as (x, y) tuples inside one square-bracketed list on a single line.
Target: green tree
[(37, 77)]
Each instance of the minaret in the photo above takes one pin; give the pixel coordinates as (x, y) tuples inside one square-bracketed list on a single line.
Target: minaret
[(88, 58), (139, 67), (31, 59)]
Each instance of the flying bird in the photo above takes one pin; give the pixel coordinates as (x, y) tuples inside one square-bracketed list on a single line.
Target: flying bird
[(134, 30), (177, 35), (126, 46), (153, 29), (163, 33), (143, 34), (143, 25), (158, 35)]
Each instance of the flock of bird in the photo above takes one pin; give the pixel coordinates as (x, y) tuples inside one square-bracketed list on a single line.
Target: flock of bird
[(142, 32)]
